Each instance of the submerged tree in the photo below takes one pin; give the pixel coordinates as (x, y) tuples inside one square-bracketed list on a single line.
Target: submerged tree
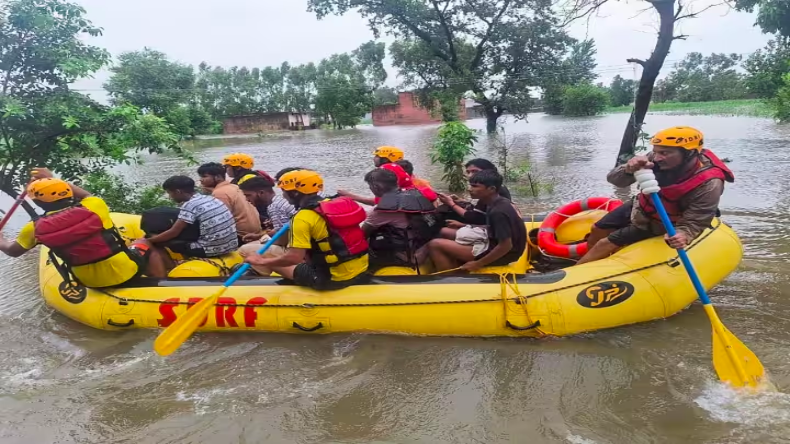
[(495, 49)]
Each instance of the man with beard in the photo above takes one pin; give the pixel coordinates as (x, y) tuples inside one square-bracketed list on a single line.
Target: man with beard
[(692, 182)]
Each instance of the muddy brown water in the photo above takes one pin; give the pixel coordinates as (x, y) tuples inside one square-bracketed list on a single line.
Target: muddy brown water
[(649, 383)]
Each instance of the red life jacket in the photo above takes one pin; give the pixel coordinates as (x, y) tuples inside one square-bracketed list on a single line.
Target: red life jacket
[(672, 194), (77, 236), (346, 239)]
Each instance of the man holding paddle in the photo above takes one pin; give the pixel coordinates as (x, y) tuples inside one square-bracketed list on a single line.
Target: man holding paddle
[(692, 180)]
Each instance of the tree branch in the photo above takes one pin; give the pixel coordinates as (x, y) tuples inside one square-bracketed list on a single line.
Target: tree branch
[(680, 37), (450, 45), (479, 49), (639, 61), (695, 14)]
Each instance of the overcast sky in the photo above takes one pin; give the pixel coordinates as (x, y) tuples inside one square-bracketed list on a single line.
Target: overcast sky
[(259, 33)]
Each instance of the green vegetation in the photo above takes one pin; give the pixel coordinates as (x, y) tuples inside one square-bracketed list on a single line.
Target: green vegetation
[(584, 100), (43, 122), (746, 108), (122, 197), (454, 143)]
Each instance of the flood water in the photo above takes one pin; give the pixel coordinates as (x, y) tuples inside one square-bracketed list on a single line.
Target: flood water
[(648, 383)]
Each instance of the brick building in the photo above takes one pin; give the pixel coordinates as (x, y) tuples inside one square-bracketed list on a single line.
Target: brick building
[(408, 112), (255, 123)]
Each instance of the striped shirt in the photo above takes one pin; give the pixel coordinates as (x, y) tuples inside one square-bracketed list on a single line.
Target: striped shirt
[(280, 212), (217, 227)]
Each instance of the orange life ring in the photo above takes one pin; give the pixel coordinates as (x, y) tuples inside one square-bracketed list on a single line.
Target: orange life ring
[(547, 239)]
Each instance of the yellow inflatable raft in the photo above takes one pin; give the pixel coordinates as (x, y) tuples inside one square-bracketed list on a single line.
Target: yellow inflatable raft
[(642, 282)]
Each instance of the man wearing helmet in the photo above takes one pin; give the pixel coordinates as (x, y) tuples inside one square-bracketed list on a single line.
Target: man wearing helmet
[(239, 167), (327, 249), (84, 244), (692, 181), (386, 154)]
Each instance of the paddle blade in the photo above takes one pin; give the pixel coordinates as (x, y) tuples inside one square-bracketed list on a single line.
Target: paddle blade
[(737, 365), (179, 331)]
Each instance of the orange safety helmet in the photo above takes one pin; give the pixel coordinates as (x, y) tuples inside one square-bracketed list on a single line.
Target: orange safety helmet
[(303, 181), (684, 137), (239, 160), (392, 153), (49, 190)]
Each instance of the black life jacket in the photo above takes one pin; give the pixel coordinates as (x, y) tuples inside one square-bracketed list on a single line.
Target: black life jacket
[(423, 224)]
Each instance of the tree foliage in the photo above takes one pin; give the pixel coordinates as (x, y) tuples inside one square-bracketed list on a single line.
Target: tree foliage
[(584, 100), (621, 91), (151, 82), (767, 67), (385, 96), (496, 50), (43, 122), (703, 79), (123, 197), (782, 101), (773, 16), (576, 68)]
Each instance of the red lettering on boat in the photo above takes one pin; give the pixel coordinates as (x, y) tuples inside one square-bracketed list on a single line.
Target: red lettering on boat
[(249, 311)]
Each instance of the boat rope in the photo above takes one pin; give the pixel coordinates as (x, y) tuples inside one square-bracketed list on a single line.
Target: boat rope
[(673, 262), (670, 262)]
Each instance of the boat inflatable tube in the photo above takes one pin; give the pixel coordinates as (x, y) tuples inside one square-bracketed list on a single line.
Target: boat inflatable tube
[(547, 234)]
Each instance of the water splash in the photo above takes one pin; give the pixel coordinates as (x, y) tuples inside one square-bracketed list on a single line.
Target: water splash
[(756, 409)]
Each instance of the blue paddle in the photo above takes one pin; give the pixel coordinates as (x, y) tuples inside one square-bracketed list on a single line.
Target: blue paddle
[(733, 361)]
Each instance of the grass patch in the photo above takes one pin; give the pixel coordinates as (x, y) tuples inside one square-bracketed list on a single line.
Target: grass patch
[(746, 108)]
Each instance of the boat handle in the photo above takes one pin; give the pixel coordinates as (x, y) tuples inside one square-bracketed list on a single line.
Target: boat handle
[(296, 325), (115, 324), (528, 327)]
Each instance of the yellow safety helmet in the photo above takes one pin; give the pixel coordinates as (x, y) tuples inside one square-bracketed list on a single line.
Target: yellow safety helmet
[(303, 181), (49, 190), (238, 160), (684, 137), (392, 153)]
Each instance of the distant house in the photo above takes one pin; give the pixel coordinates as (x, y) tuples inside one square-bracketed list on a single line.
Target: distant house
[(255, 123), (408, 112)]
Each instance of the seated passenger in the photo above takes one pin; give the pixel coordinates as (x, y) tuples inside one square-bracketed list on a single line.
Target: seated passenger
[(217, 228), (464, 210), (212, 178), (691, 180), (327, 249), (84, 243), (239, 168), (507, 235), (260, 192), (401, 222)]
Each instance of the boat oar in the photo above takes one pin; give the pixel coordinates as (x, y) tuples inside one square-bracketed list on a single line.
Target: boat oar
[(733, 361), (179, 331), (13, 208)]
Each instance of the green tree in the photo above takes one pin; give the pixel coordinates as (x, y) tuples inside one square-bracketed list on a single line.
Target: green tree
[(575, 69), (123, 197), (42, 122), (773, 16), (385, 96), (149, 81), (584, 100), (493, 49), (454, 143), (345, 84), (703, 79), (782, 101), (767, 67), (621, 91)]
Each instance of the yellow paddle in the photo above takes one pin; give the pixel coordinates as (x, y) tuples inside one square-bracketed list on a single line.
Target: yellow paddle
[(734, 363), (179, 331)]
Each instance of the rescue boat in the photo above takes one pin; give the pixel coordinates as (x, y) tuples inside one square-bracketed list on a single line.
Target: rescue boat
[(640, 283)]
